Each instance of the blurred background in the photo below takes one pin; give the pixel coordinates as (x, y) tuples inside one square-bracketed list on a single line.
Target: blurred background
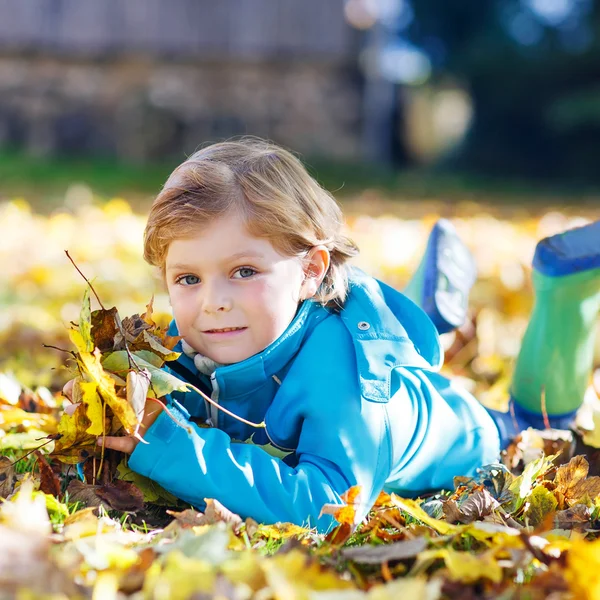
[(484, 112)]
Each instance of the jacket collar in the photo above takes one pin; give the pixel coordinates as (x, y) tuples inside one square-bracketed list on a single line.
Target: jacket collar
[(387, 329), (249, 374)]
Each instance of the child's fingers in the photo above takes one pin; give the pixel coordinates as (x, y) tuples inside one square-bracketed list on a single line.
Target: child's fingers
[(121, 444)]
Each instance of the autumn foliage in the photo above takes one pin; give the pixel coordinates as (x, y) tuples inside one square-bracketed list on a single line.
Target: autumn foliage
[(76, 522)]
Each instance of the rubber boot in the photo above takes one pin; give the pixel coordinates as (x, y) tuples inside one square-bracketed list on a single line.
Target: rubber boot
[(556, 358), (444, 278)]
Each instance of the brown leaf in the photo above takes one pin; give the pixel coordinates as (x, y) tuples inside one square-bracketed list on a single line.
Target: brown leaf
[(7, 477), (577, 516), (147, 316), (133, 580), (49, 482), (215, 513), (132, 327), (189, 517), (121, 495), (83, 492), (339, 536), (586, 487), (170, 341), (568, 475), (376, 555), (478, 505), (105, 327), (451, 511)]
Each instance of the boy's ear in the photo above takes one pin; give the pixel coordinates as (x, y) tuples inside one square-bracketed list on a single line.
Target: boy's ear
[(316, 265)]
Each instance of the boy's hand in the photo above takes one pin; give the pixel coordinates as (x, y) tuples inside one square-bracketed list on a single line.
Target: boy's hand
[(128, 443)]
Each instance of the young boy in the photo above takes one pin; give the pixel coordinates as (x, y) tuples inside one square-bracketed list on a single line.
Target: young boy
[(320, 377)]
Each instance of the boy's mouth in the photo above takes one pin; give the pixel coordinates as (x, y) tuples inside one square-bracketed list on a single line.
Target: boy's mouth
[(225, 330)]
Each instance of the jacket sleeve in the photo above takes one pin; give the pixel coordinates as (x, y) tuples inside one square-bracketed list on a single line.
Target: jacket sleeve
[(339, 443)]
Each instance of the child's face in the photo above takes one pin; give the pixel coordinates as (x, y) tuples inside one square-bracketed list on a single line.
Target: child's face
[(232, 293)]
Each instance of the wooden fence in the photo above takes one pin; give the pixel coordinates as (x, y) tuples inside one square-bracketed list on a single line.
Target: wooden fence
[(223, 29)]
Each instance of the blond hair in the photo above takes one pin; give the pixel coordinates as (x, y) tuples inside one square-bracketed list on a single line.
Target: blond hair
[(273, 192)]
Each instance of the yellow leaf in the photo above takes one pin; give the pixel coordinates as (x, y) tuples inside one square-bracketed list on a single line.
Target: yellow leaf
[(75, 442), (294, 575), (540, 503), (92, 367), (89, 396), (179, 578), (77, 340), (413, 588), (281, 531), (245, 568), (414, 510), (11, 417), (582, 572), (469, 568)]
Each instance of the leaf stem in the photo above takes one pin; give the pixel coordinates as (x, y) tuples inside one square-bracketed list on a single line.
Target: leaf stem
[(30, 452), (103, 439), (261, 425), (86, 279)]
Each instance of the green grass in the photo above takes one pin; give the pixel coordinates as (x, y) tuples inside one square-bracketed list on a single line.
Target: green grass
[(44, 182)]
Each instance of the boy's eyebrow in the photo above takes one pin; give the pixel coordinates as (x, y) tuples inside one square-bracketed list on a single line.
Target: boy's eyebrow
[(236, 256)]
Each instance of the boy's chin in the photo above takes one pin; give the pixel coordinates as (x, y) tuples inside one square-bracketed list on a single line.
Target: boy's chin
[(230, 356)]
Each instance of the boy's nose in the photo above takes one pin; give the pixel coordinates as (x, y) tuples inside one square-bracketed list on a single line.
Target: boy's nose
[(215, 300)]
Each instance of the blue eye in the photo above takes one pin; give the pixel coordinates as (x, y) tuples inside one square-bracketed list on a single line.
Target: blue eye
[(188, 280), (245, 272)]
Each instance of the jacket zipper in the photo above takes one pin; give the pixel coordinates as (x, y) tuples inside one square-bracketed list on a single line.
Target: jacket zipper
[(211, 410)]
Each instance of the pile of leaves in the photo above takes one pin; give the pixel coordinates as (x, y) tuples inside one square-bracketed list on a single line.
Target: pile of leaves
[(76, 522), (518, 529)]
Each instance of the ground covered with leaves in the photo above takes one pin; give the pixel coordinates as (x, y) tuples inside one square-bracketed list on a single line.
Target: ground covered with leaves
[(76, 522)]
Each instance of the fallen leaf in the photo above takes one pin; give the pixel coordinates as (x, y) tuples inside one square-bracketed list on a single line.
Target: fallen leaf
[(121, 495), (74, 443), (582, 571), (479, 504), (105, 327), (377, 554), (88, 392), (49, 482), (540, 503), (344, 513), (152, 492), (414, 510), (7, 477), (163, 383), (572, 483), (138, 383), (575, 517), (83, 492)]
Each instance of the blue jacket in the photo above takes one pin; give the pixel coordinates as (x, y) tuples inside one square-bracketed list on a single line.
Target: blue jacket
[(348, 398)]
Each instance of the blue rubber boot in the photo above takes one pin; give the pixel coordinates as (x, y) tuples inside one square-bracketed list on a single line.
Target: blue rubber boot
[(444, 278)]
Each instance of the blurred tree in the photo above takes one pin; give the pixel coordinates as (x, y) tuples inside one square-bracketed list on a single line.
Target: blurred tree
[(532, 68)]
